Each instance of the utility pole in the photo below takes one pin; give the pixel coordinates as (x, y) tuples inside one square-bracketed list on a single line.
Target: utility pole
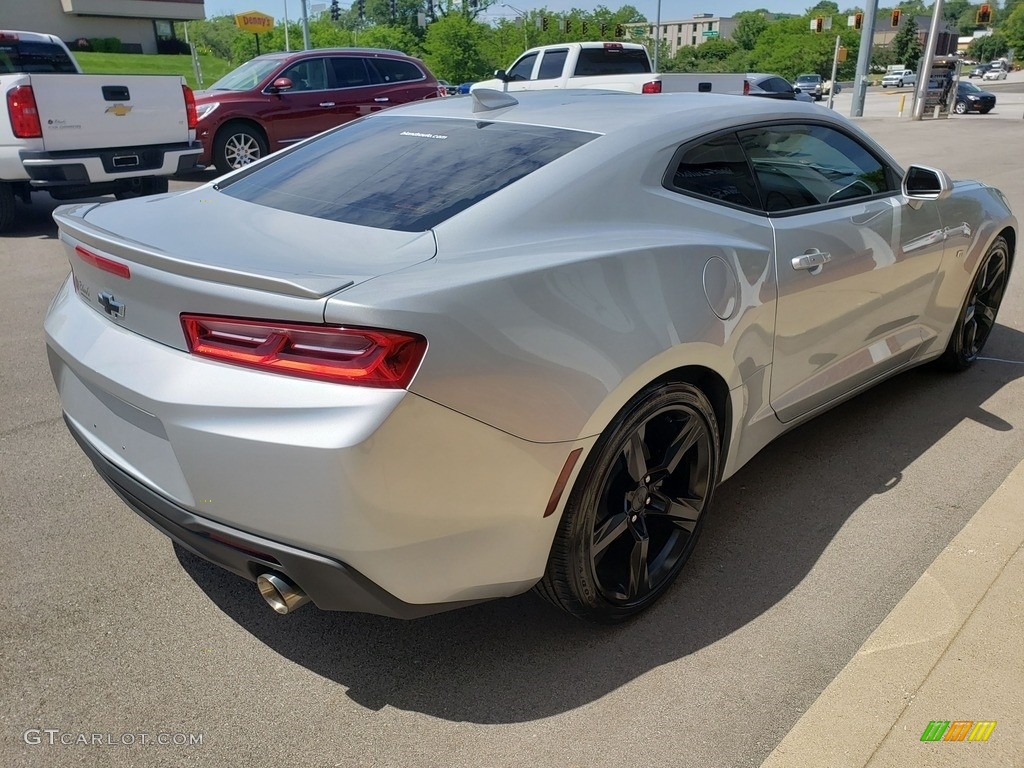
[(657, 37), (835, 66), (305, 26), (523, 18), (287, 44), (867, 36), (925, 70)]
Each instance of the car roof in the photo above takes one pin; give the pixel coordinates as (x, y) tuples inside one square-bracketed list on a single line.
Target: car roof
[(322, 51), (613, 111)]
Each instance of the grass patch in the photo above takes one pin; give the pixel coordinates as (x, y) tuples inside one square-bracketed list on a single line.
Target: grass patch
[(153, 64)]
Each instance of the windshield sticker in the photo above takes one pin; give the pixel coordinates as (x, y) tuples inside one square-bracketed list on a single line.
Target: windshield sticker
[(423, 135)]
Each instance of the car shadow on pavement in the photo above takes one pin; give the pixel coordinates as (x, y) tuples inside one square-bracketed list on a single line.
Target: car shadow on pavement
[(36, 220), (519, 659)]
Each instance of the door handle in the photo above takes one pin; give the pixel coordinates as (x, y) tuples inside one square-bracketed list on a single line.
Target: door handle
[(382, 99), (326, 103), (811, 260)]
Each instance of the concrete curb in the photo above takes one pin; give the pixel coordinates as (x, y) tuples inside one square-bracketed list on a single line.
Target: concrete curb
[(951, 649)]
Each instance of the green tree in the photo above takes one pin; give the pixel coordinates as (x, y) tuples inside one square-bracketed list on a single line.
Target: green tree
[(453, 47), (788, 48), (989, 47), (1013, 30), (749, 27), (906, 45), (824, 8)]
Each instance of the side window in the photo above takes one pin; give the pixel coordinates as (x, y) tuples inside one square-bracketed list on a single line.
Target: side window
[(349, 71), (552, 64), (715, 169), (777, 85), (523, 68), (396, 70), (308, 75), (800, 166)]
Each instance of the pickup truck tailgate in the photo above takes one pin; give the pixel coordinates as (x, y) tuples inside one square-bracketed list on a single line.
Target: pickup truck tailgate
[(101, 111)]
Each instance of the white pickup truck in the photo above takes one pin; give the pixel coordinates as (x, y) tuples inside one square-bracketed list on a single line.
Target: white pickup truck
[(899, 77), (605, 66), (76, 135)]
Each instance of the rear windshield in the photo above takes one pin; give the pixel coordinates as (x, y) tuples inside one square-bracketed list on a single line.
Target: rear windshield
[(402, 173), (612, 61), (26, 56)]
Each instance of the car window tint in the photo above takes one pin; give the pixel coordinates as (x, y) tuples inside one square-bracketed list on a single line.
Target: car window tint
[(395, 70), (27, 56), (552, 64), (308, 75), (402, 173), (777, 85), (612, 61), (349, 71), (523, 68), (716, 169), (798, 166)]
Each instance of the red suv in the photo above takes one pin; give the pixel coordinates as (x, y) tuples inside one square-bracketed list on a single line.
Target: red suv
[(280, 98)]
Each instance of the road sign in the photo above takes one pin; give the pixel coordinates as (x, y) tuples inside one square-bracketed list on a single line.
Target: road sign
[(710, 33)]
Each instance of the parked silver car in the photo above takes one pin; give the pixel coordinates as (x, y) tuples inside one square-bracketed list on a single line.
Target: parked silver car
[(467, 347)]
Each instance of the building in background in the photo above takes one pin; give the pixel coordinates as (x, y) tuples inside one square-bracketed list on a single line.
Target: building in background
[(680, 33), (142, 26)]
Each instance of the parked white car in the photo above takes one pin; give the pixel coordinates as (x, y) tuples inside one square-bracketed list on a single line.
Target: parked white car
[(899, 78), (994, 74)]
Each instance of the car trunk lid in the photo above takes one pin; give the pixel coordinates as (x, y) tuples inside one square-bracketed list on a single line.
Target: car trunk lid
[(205, 253)]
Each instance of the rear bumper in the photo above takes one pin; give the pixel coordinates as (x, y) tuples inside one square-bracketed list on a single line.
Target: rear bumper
[(330, 584), (77, 167)]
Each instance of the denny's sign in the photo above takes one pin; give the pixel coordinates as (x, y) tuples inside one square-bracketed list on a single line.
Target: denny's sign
[(254, 21)]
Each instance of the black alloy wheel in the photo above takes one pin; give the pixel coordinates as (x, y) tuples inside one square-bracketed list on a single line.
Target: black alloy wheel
[(978, 315), (637, 508)]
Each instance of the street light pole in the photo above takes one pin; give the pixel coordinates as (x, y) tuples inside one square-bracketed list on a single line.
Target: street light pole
[(657, 37), (525, 17), (287, 44), (925, 70)]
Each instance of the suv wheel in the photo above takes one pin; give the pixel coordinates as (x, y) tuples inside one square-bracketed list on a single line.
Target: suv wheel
[(238, 145)]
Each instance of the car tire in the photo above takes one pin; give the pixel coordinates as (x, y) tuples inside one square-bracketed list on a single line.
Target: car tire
[(960, 108), (978, 314), (6, 206), (637, 507), (884, 85), (237, 145), (150, 185)]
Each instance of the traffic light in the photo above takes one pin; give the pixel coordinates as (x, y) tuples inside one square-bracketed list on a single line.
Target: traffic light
[(985, 14), (568, 26), (335, 10), (619, 31), (858, 20), (584, 27), (393, 7), (361, 5), (819, 24), (544, 23), (895, 19), (604, 30)]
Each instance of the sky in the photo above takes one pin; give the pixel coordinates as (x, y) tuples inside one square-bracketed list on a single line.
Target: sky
[(670, 9)]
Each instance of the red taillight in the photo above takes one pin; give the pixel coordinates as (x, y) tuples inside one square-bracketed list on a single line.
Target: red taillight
[(102, 262), (366, 357), (190, 107), (652, 87), (613, 46), (21, 106), (746, 87)]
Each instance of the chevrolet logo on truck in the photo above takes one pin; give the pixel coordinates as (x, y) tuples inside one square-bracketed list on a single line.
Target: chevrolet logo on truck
[(119, 109)]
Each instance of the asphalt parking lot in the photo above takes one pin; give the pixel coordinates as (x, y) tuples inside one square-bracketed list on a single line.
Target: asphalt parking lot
[(109, 630)]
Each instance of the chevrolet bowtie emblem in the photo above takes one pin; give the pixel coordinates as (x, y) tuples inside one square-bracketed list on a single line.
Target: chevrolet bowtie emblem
[(119, 109)]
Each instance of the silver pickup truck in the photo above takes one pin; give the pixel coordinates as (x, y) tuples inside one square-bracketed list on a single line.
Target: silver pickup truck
[(75, 135)]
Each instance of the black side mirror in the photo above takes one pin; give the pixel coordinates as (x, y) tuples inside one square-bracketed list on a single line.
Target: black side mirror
[(502, 75)]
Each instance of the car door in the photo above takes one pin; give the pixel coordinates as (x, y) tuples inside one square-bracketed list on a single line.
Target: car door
[(303, 110), (356, 89), (855, 264)]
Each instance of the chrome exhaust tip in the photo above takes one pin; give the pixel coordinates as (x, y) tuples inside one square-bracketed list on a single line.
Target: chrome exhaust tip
[(280, 594)]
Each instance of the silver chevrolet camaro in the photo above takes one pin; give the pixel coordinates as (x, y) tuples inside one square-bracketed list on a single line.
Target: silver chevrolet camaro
[(466, 347)]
